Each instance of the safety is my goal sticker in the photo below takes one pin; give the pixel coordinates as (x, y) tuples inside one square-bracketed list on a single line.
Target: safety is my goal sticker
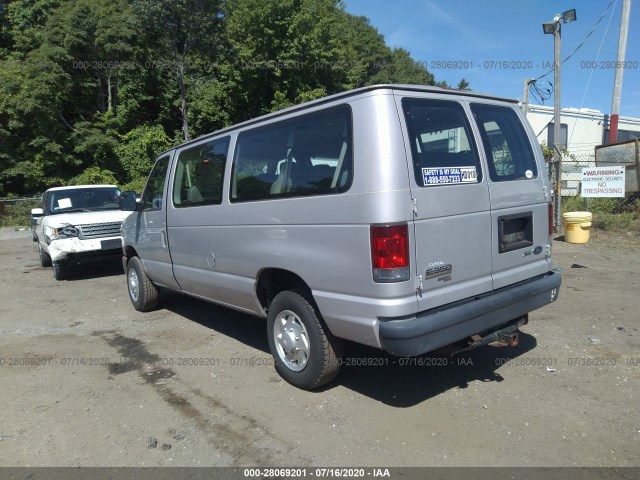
[(449, 175)]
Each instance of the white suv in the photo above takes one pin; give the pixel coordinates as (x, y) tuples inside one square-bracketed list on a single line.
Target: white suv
[(75, 223)]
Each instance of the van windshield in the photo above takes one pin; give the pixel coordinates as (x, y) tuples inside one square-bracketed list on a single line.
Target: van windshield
[(506, 144)]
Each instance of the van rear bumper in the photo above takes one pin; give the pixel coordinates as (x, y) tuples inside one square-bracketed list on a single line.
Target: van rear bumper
[(481, 314)]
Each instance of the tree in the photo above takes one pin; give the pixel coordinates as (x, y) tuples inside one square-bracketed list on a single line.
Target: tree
[(403, 69), (26, 20), (137, 151), (6, 42), (182, 32), (92, 88), (366, 56), (463, 84)]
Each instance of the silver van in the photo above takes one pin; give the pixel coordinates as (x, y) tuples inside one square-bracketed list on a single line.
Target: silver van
[(407, 218)]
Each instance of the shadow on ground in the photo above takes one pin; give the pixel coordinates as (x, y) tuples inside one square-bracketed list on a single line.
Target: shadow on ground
[(107, 266), (398, 382)]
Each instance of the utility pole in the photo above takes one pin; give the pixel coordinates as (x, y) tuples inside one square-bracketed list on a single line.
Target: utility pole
[(617, 82), (554, 28), (556, 118), (525, 95)]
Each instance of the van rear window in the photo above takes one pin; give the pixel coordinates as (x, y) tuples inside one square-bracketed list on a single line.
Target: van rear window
[(506, 143), (307, 155), (442, 145)]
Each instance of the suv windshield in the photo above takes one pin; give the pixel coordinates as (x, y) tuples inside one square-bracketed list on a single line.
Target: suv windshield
[(84, 199)]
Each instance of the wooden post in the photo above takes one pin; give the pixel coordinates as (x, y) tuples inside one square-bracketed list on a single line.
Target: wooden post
[(637, 142)]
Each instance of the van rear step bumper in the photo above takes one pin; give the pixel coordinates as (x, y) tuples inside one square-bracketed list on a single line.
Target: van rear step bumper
[(481, 315)]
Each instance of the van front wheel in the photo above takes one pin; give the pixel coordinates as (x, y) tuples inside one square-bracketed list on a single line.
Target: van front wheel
[(306, 354), (142, 292)]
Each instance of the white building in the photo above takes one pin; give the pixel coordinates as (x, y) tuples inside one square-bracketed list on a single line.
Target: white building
[(582, 129)]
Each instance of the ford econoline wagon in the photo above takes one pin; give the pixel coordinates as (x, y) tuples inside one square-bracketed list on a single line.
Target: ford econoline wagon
[(407, 218)]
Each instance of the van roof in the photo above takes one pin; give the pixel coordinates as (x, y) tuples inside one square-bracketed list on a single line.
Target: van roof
[(346, 94)]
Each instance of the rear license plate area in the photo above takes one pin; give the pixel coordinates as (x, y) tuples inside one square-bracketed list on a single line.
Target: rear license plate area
[(515, 232), (111, 244)]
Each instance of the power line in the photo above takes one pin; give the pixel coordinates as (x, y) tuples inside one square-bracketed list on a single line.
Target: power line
[(541, 93), (593, 67)]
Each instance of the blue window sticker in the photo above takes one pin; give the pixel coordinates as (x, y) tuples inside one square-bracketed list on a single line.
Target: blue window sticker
[(449, 175)]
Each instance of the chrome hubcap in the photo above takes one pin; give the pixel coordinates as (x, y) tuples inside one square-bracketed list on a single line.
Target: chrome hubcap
[(134, 285), (292, 340)]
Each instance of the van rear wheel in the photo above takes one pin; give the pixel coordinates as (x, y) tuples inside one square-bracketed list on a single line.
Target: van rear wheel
[(306, 354), (142, 292)]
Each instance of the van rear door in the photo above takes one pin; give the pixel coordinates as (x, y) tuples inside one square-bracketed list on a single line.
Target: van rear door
[(452, 215), (518, 193)]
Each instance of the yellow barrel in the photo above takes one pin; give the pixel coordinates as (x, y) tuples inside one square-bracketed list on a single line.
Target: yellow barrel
[(577, 226)]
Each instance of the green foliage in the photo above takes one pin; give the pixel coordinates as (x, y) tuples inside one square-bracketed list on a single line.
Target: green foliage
[(548, 153), (136, 185), (608, 213), (95, 90), (26, 21), (138, 150), (612, 221), (463, 84), (17, 214), (403, 69), (94, 176)]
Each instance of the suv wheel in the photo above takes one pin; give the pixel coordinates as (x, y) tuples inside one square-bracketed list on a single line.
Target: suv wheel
[(45, 259), (306, 354), (60, 269), (142, 292)]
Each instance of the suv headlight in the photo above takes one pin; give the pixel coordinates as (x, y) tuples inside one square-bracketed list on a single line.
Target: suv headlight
[(65, 231)]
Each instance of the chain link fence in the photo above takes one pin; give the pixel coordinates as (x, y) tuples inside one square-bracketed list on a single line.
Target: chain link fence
[(626, 154), (16, 211)]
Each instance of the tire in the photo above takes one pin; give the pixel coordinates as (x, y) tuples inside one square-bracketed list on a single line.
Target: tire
[(142, 292), (45, 259), (294, 322), (60, 269)]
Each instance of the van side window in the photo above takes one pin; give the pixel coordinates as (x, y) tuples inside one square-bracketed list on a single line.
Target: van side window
[(199, 174), (506, 143), (442, 146), (154, 191), (308, 155)]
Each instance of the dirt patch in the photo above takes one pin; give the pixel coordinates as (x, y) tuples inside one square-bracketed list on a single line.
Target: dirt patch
[(88, 381)]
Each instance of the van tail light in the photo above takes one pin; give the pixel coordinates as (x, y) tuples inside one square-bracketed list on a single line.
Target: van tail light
[(390, 253), (550, 219)]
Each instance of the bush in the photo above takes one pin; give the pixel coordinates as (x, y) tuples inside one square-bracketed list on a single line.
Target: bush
[(94, 176), (17, 214), (608, 213), (612, 221)]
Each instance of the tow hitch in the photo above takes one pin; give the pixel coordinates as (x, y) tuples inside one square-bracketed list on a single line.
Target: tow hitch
[(506, 336)]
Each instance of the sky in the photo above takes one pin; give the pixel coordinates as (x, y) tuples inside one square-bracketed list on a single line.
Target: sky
[(496, 44)]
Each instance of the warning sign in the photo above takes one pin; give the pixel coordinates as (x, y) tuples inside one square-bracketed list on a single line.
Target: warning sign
[(603, 182)]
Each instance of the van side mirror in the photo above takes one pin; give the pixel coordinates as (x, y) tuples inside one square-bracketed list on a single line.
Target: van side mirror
[(37, 212), (128, 202)]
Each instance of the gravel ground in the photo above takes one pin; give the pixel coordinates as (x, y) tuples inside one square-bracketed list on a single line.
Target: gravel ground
[(85, 380)]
